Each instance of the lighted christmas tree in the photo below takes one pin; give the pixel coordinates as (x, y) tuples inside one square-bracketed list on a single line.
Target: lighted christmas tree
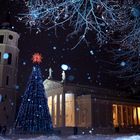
[(33, 116)]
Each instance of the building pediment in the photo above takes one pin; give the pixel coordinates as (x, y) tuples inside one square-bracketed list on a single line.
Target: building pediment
[(50, 84)]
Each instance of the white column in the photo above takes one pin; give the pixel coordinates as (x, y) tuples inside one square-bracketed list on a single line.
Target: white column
[(58, 111)]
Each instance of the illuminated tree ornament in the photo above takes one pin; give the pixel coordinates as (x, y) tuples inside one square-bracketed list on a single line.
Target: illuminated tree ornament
[(37, 58), (33, 115)]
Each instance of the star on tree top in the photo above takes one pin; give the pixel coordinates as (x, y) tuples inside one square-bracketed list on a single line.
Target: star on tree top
[(37, 58)]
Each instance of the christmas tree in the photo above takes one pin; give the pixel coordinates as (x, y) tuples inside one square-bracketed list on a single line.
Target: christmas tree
[(33, 116)]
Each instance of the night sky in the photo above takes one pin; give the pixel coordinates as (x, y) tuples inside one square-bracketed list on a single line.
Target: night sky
[(87, 64)]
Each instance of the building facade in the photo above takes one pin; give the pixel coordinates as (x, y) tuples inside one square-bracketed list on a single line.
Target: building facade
[(8, 74), (91, 109)]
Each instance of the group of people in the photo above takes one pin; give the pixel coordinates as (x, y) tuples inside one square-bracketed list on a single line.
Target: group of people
[(3, 130)]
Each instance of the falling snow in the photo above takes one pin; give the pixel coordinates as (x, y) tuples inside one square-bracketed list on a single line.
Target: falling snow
[(83, 16)]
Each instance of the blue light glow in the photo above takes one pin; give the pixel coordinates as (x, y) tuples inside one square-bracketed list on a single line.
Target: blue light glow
[(24, 63), (5, 56), (123, 64), (64, 67), (17, 87)]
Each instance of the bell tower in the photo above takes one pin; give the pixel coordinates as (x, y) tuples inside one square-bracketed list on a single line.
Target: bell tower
[(8, 74)]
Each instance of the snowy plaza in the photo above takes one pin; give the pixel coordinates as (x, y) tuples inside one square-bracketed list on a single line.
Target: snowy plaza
[(79, 137)]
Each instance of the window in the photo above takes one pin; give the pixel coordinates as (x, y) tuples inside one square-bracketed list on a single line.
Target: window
[(9, 59), (7, 80), (124, 115), (1, 38), (10, 37)]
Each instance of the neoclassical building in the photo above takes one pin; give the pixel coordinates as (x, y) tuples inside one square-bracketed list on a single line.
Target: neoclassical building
[(91, 109)]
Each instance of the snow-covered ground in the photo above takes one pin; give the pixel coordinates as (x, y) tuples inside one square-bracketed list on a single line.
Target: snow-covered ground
[(78, 137)]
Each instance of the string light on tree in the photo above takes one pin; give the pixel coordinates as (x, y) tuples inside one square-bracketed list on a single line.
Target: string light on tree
[(33, 116)]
